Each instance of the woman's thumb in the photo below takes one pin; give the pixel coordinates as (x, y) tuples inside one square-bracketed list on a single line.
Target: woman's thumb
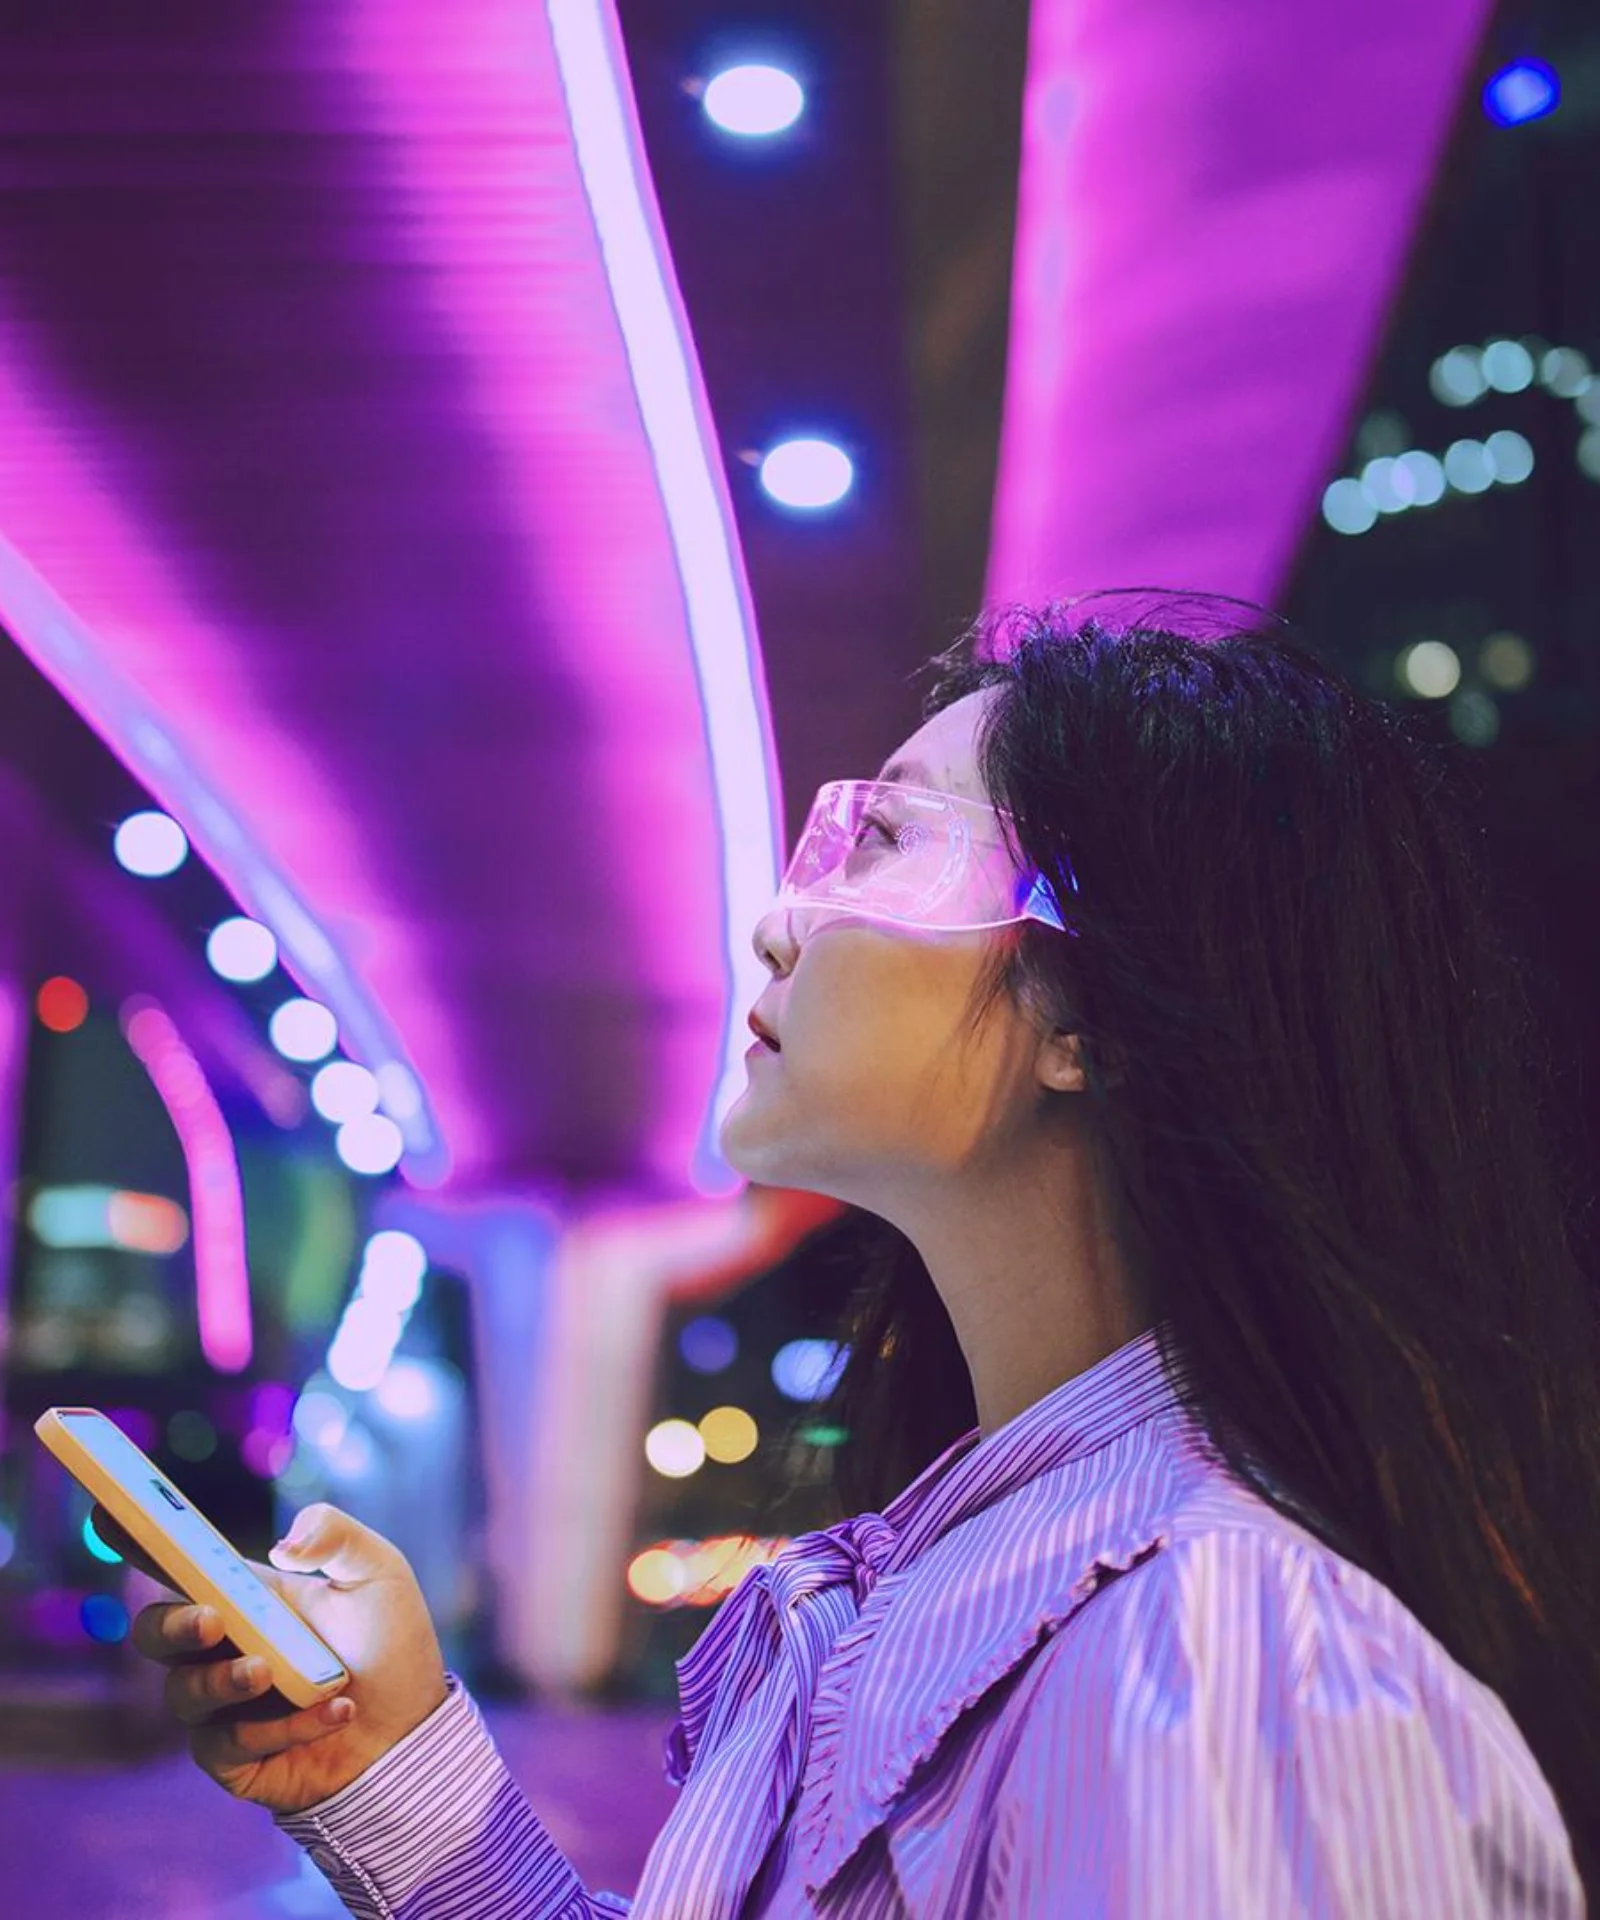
[(325, 1540)]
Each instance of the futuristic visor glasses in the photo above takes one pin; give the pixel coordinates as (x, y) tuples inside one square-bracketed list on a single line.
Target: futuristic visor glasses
[(911, 857)]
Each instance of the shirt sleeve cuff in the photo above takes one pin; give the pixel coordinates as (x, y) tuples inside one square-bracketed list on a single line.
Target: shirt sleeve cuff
[(439, 1806)]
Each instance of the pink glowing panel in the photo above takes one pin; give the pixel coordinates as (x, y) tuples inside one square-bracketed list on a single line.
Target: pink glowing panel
[(369, 505), (216, 1198), (1215, 205)]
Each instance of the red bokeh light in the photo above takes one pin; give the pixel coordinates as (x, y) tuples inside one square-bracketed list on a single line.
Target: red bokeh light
[(62, 1005)]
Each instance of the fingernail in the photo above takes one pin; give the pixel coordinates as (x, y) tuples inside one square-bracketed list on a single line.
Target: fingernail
[(247, 1674), (296, 1527), (337, 1712)]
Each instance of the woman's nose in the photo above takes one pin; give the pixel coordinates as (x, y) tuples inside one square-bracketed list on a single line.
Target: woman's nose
[(774, 941)]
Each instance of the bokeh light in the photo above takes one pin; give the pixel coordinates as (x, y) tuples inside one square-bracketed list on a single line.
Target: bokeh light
[(1510, 455), (1507, 366), (754, 101), (370, 1144), (411, 1390), (1506, 661), (708, 1344), (191, 1435), (1467, 466), (1565, 372), (808, 1369), (807, 475), (1347, 509), (342, 1091), (1456, 377), (1474, 718), (320, 1419), (393, 1268), (62, 1005), (241, 950), (150, 844), (104, 1618), (656, 1576), (1429, 669), (730, 1435), (1522, 91), (303, 1030), (675, 1449), (1425, 474)]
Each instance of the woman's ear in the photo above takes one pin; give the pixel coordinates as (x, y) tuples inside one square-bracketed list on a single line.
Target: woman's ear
[(1060, 1062), (1061, 1066)]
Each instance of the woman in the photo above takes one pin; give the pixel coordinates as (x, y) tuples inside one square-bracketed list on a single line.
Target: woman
[(1222, 1396)]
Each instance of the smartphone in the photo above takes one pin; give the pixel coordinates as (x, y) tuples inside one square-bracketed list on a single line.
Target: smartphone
[(197, 1560)]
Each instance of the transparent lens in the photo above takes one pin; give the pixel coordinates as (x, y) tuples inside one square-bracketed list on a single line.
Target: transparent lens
[(905, 855)]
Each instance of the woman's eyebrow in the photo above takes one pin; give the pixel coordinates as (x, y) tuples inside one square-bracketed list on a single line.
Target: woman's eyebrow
[(909, 771)]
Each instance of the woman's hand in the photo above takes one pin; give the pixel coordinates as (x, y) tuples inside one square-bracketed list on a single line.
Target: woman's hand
[(368, 1608)]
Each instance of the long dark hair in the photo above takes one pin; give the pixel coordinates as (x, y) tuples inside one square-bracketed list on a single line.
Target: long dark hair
[(1328, 1109)]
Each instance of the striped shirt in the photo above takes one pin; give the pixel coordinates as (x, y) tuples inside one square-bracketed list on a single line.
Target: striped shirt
[(1074, 1669)]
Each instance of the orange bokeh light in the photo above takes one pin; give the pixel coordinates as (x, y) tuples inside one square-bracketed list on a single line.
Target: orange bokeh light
[(62, 1005)]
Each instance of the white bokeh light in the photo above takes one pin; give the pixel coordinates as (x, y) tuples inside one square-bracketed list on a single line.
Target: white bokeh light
[(675, 1449), (371, 1144), (303, 1030), (364, 1345), (342, 1091), (242, 950), (754, 101), (393, 1269), (150, 844), (1430, 669), (410, 1390), (807, 474)]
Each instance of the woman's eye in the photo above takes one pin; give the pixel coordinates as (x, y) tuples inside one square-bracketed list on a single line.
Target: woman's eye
[(870, 826)]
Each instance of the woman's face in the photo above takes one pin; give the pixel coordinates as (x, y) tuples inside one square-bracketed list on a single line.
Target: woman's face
[(877, 1090)]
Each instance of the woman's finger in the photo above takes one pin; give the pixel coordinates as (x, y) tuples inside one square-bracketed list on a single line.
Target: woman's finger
[(219, 1745), (199, 1691), (172, 1631)]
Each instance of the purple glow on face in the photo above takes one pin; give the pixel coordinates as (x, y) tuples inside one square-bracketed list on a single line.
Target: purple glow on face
[(1194, 304), (216, 1199)]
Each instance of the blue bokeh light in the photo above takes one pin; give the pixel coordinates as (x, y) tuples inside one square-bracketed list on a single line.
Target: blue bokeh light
[(708, 1344), (1525, 90), (104, 1618), (808, 1369)]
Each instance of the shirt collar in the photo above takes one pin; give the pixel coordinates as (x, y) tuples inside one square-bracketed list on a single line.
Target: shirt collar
[(1073, 1420)]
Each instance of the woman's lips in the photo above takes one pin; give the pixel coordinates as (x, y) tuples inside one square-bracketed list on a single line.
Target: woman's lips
[(761, 1050)]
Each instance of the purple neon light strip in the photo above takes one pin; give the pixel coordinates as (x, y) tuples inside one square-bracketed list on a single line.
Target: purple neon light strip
[(216, 1196), (1214, 207), (683, 446)]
